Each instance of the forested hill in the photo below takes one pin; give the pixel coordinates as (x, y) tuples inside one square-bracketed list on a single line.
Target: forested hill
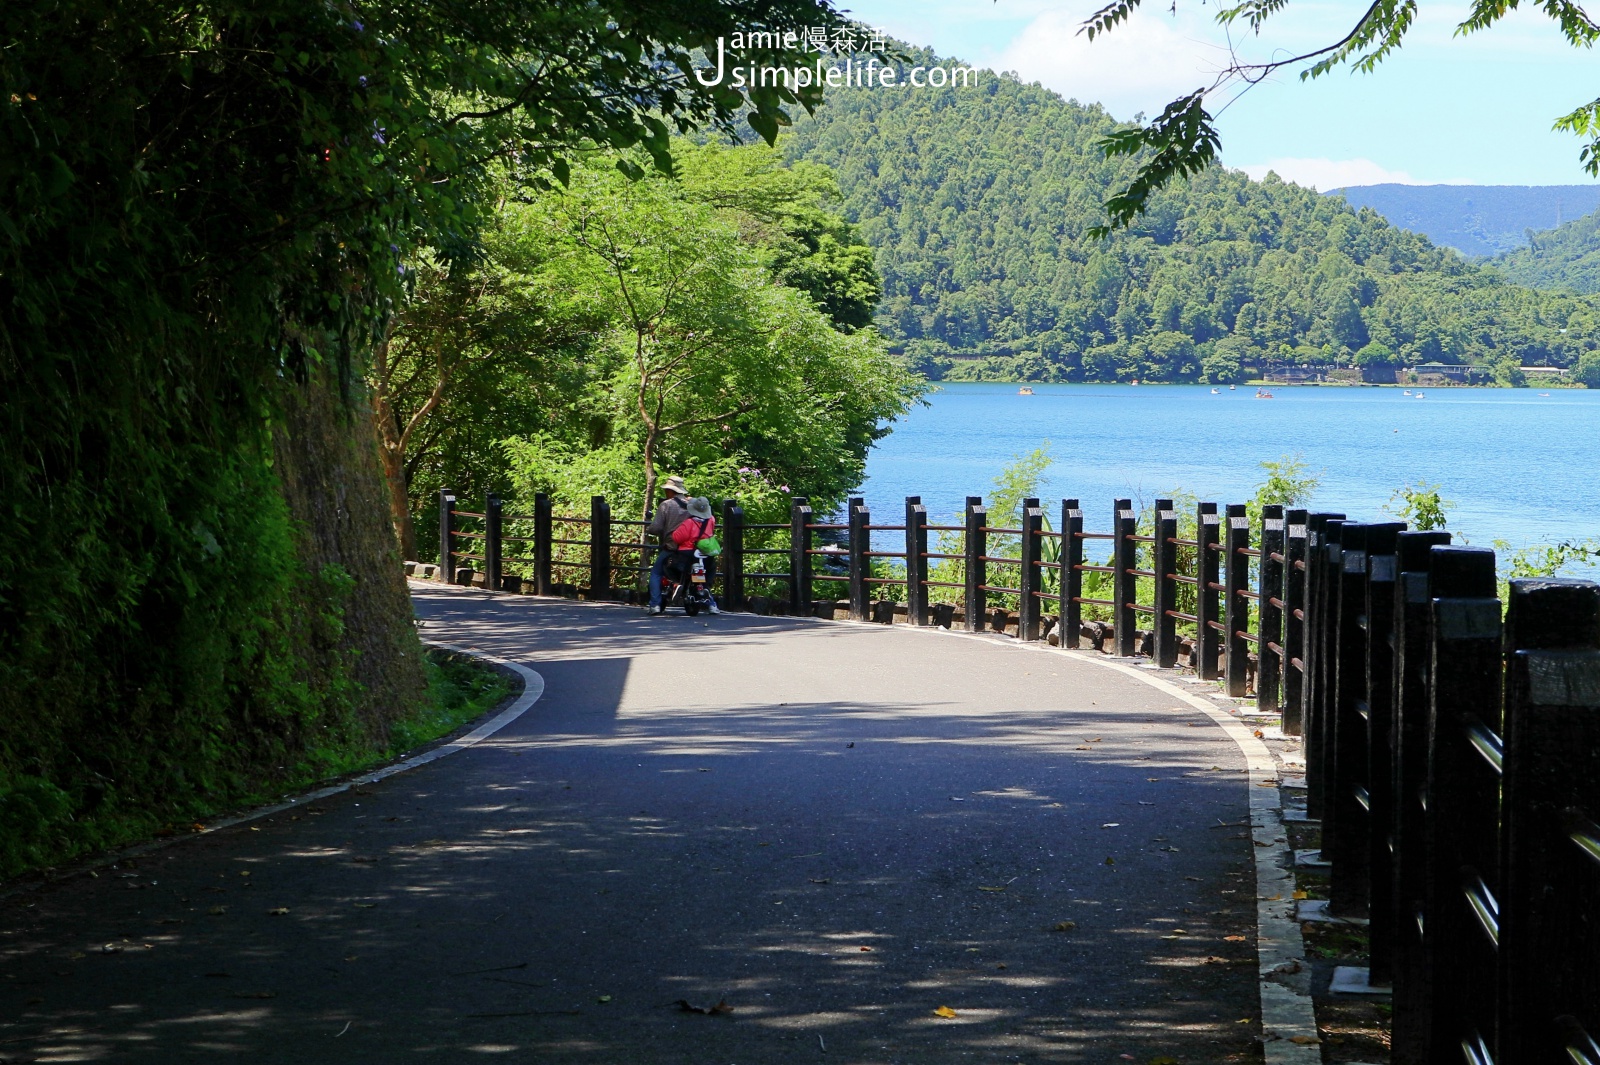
[(1475, 219), (978, 202), (1565, 259)]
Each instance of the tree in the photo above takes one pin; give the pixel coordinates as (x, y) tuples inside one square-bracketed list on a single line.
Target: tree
[(1183, 139), (705, 360), (1588, 370)]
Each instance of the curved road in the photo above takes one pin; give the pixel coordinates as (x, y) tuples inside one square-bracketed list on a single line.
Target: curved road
[(834, 830)]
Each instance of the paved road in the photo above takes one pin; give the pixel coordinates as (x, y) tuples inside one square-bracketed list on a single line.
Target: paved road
[(836, 830)]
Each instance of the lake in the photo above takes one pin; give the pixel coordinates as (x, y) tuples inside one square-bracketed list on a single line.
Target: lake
[(1516, 464)]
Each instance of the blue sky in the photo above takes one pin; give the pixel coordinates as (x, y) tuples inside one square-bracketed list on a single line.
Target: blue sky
[(1443, 110)]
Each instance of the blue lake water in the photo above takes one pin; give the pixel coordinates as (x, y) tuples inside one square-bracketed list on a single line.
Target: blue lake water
[(1517, 465)]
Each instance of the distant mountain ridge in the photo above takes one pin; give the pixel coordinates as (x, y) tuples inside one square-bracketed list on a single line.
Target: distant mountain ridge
[(1476, 220), (979, 205), (1564, 259)]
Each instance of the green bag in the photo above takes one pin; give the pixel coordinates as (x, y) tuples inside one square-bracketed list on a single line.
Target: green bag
[(709, 547)]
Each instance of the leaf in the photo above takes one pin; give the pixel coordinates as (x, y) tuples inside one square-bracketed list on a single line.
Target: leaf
[(945, 1011), (982, 887), (278, 911), (1064, 926), (217, 911), (1111, 861), (1299, 894), (1163, 1060), (1234, 939), (1304, 1040), (603, 998)]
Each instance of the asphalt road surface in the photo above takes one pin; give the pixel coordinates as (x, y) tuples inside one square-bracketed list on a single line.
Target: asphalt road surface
[(851, 844)]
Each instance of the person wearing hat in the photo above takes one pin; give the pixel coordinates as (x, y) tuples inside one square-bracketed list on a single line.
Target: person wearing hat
[(696, 527), (671, 512)]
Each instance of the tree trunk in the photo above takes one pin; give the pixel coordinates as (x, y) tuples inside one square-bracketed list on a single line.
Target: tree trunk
[(392, 452)]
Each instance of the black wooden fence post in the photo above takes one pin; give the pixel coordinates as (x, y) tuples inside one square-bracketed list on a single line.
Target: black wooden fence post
[(1408, 785), (1322, 561), (1031, 583), (599, 548), (1071, 573), (1294, 623), (1124, 582), (1550, 858), (1382, 565), (800, 557), (731, 564), (1208, 571), (1269, 610), (860, 562), (1463, 789), (541, 544), (1344, 815), (447, 517), (976, 541), (491, 542), (1235, 607), (1164, 562), (916, 561)]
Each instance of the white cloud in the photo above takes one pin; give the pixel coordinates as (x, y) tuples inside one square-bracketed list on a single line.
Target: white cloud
[(1325, 174), (1141, 65)]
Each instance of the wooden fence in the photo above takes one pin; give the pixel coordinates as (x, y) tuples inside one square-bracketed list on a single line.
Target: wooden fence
[(1452, 741)]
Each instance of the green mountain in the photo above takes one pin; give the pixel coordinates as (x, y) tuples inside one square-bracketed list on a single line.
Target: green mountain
[(1475, 219), (978, 202), (1565, 259)]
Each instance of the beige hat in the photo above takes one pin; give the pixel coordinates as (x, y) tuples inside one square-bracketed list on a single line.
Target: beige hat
[(674, 484)]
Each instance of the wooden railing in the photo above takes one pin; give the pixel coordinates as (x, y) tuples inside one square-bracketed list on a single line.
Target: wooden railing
[(1452, 747)]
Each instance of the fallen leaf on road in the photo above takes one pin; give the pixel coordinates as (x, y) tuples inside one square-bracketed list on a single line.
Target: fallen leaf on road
[(111, 948), (217, 911), (365, 905), (981, 887), (1112, 824), (823, 880), (278, 911), (1064, 926), (1234, 939), (1304, 1040), (1299, 894), (75, 955), (1111, 861), (1083, 748), (721, 1008), (865, 950), (603, 998), (945, 1012)]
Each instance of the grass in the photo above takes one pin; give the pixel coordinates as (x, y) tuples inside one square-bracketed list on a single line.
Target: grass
[(460, 689)]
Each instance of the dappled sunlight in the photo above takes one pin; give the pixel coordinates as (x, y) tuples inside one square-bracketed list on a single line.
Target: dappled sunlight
[(822, 847)]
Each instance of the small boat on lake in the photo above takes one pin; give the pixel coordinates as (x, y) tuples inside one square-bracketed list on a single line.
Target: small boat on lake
[(1216, 391), (1024, 391), (1262, 393), (1232, 387), (1417, 396), (1407, 392)]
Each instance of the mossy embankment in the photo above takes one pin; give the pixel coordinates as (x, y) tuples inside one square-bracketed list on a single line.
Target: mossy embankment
[(197, 615)]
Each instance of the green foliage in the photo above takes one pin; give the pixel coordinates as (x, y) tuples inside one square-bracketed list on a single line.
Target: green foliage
[(1565, 259), (1420, 506), (1587, 372), (991, 272), (459, 690), (1183, 140), (704, 363), (1290, 483), (208, 211)]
